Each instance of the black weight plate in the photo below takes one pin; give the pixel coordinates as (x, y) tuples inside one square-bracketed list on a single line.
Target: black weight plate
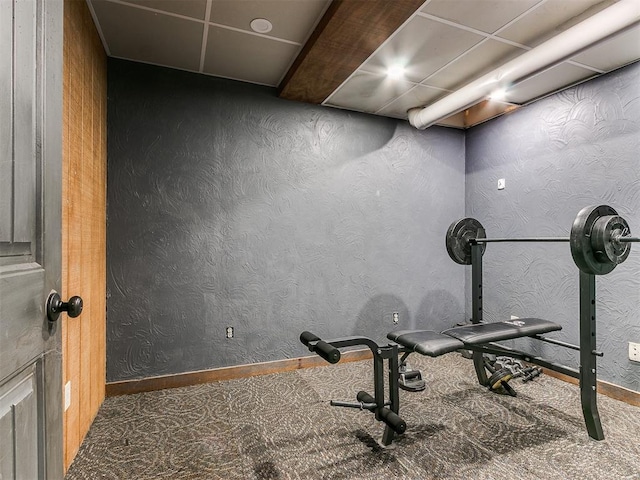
[(458, 236), (502, 375), (603, 239), (582, 250)]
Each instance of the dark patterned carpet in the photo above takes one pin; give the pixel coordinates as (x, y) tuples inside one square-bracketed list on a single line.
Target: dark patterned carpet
[(282, 427)]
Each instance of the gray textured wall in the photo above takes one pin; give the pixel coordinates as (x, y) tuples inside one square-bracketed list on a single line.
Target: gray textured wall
[(229, 206), (577, 148)]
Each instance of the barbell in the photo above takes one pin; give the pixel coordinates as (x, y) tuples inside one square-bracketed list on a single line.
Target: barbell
[(600, 239)]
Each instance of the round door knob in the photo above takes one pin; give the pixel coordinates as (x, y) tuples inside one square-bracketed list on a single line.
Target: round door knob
[(55, 306)]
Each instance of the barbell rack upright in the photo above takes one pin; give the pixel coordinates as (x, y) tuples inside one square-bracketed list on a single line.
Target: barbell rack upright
[(588, 376), (476, 306)]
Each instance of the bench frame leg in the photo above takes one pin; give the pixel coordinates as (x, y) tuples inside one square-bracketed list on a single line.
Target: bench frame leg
[(391, 353), (380, 354)]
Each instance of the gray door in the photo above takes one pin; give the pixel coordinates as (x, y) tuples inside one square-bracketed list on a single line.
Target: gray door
[(30, 224)]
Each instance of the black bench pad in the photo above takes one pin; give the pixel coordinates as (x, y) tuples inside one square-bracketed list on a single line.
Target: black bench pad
[(434, 344), (425, 342), (480, 333)]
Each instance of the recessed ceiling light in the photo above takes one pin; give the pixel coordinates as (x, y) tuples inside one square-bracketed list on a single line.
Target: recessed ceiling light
[(395, 72), (261, 25)]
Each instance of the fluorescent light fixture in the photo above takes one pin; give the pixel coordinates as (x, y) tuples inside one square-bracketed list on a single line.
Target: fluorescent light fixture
[(607, 22), (395, 72)]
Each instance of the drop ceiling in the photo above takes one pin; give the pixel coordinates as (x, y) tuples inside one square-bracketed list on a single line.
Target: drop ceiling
[(337, 54)]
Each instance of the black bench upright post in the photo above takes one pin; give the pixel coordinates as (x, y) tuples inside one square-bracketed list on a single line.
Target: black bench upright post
[(588, 377), (394, 392), (476, 306)]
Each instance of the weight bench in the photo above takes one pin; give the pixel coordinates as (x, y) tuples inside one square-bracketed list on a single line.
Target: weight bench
[(480, 338), (434, 344), (474, 337)]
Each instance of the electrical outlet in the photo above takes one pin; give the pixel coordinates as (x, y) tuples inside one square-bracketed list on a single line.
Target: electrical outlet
[(229, 332), (502, 183), (396, 318), (634, 352)]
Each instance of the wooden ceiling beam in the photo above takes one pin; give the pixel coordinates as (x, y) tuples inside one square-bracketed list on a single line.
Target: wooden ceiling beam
[(348, 33)]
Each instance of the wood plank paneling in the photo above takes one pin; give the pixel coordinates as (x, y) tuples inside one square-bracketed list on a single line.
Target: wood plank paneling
[(84, 221), (349, 32)]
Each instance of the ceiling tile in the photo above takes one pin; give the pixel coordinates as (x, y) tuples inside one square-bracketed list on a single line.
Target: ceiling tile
[(554, 79), (487, 56), (242, 56), (617, 51), (188, 8), (422, 46), (551, 18), (419, 96), (146, 36), (292, 20), (367, 92), (485, 15)]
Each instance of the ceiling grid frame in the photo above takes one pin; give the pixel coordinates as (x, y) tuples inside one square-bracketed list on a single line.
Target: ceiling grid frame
[(205, 36), (537, 16)]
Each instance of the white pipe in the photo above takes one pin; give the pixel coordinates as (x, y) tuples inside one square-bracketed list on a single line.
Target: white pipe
[(594, 29)]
